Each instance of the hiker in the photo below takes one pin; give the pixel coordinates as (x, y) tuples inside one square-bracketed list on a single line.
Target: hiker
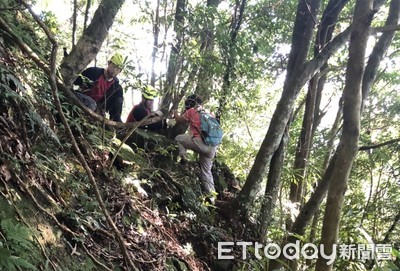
[(144, 108), (100, 88), (195, 142)]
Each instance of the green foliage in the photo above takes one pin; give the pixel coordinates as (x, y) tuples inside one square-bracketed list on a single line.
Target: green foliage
[(16, 246), (16, 234), (259, 55), (26, 29), (38, 125), (245, 128), (7, 94)]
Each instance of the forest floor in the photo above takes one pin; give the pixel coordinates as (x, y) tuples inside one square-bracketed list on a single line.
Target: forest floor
[(155, 203)]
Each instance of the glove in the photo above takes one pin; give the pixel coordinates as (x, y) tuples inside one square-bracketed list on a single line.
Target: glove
[(171, 122)]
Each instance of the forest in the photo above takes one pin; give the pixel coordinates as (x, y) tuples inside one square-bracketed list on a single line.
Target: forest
[(307, 176)]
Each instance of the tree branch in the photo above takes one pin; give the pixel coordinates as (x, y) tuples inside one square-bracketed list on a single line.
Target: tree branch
[(370, 147), (385, 28)]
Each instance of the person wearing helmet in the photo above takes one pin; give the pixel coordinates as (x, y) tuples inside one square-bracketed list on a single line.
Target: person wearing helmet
[(100, 88), (144, 108), (193, 141)]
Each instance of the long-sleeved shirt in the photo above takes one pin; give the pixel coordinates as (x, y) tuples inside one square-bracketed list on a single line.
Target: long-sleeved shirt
[(107, 94)]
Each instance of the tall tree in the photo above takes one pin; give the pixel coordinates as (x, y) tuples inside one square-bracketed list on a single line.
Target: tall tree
[(74, 19), (200, 76), (311, 117), (348, 145), (174, 62), (90, 42), (313, 203), (301, 40), (316, 85), (230, 55), (380, 49), (205, 78), (86, 16), (272, 189), (156, 32)]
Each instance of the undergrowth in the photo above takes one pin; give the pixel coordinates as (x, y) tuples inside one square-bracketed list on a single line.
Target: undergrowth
[(17, 248)]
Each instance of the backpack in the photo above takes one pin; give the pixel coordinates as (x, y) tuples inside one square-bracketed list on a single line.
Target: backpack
[(211, 131)]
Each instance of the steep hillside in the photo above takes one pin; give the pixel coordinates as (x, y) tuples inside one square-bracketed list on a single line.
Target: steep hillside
[(51, 217)]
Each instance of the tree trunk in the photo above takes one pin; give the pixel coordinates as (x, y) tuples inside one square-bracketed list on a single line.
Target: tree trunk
[(313, 232), (324, 35), (174, 62), (388, 234), (301, 39), (312, 205), (87, 9), (91, 41), (312, 117), (156, 32), (303, 145), (272, 188), (379, 50), (205, 77), (271, 142), (229, 57), (348, 146), (74, 18), (370, 73)]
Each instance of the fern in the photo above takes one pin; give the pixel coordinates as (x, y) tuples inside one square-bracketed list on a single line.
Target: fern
[(16, 263), (16, 233), (16, 242)]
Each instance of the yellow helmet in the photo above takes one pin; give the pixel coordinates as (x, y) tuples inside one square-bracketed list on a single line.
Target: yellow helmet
[(149, 92), (118, 60)]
